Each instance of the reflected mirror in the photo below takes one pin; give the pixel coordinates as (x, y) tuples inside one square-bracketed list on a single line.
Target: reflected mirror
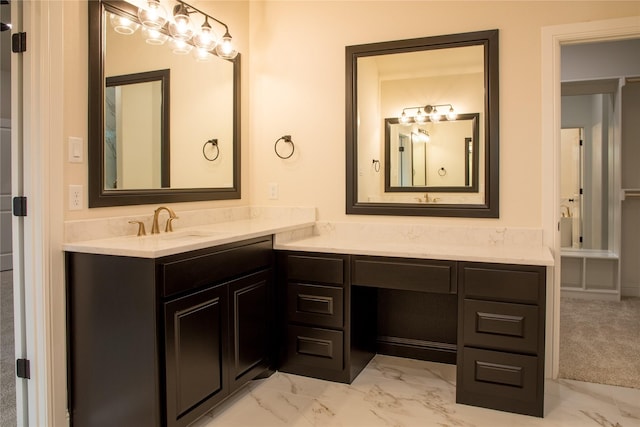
[(136, 143), (400, 93), (431, 156), (147, 140)]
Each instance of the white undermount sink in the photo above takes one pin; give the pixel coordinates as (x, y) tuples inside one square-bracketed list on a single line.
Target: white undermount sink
[(189, 235)]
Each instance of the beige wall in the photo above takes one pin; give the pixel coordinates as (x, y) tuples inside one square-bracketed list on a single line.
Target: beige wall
[(293, 82), (298, 87)]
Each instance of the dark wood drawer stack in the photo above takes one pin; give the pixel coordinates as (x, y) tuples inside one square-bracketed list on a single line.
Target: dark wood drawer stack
[(501, 337), (317, 316)]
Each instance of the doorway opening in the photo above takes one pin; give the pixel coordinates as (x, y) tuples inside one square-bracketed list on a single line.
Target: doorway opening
[(599, 224)]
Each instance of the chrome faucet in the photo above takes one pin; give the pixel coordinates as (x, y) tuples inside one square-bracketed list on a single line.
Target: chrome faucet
[(155, 229)]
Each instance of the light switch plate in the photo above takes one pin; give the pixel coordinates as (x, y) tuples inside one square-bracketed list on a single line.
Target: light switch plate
[(75, 149)]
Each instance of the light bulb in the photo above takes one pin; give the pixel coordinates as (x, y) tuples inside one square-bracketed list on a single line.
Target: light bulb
[(435, 116), (419, 118), (123, 25), (451, 115), (206, 38), (153, 16), (424, 135), (154, 37), (403, 118), (225, 49), (181, 28)]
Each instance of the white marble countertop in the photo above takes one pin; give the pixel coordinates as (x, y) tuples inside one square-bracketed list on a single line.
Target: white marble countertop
[(495, 253), (187, 239)]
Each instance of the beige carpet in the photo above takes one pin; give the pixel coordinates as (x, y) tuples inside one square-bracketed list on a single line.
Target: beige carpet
[(600, 341), (7, 356)]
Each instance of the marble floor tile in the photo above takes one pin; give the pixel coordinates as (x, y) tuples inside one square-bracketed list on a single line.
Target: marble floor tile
[(398, 392)]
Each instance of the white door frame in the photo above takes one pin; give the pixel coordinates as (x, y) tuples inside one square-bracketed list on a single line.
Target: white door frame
[(38, 175), (552, 38)]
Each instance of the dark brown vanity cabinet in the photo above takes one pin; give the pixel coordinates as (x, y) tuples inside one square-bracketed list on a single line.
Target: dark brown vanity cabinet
[(160, 342), (501, 337), (488, 319)]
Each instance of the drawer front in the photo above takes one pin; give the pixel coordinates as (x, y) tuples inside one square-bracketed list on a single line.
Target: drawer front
[(322, 269), (315, 347), (405, 274), (497, 376), (315, 304), (501, 326), (509, 283), (178, 275)]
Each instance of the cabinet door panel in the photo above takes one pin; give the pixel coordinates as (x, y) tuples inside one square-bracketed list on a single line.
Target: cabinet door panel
[(250, 299), (195, 352)]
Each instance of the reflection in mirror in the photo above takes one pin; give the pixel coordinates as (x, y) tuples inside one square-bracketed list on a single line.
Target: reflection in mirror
[(136, 140), (448, 77), (431, 156), (587, 167), (204, 101)]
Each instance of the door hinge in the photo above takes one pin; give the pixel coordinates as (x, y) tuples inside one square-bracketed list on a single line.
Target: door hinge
[(20, 206), (401, 149), (581, 191), (581, 142), (23, 369), (580, 239), (19, 42)]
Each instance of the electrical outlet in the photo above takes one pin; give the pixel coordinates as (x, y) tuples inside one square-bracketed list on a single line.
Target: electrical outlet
[(273, 190), (75, 197)]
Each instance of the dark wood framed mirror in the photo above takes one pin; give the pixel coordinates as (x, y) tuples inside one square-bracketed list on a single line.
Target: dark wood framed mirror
[(204, 104), (428, 76)]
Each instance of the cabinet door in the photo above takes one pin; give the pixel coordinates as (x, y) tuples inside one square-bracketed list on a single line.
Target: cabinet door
[(251, 330), (195, 346)]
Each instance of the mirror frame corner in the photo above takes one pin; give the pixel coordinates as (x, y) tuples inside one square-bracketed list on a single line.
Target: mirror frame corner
[(490, 207), (98, 196)]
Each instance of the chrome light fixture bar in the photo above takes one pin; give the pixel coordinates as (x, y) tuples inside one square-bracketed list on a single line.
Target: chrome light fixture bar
[(430, 111), (180, 28)]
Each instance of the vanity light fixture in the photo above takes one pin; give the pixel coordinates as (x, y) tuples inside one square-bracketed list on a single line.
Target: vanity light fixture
[(184, 32), (154, 16), (180, 27), (430, 111)]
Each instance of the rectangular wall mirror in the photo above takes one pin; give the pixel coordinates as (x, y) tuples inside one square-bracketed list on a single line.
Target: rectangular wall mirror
[(422, 126), (162, 156)]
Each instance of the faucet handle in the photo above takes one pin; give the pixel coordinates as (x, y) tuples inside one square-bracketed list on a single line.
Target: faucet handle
[(169, 227), (141, 230)]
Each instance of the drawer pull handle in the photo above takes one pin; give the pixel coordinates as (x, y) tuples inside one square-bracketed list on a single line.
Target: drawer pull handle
[(499, 374), (315, 304), (315, 347), (500, 324)]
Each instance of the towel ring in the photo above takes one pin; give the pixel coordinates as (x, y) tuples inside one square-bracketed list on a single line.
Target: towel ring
[(442, 171), (214, 143), (287, 139), (376, 165)]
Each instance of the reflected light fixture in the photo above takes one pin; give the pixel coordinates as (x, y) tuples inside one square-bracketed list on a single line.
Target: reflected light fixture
[(424, 135), (122, 24), (154, 37), (184, 33), (428, 111)]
